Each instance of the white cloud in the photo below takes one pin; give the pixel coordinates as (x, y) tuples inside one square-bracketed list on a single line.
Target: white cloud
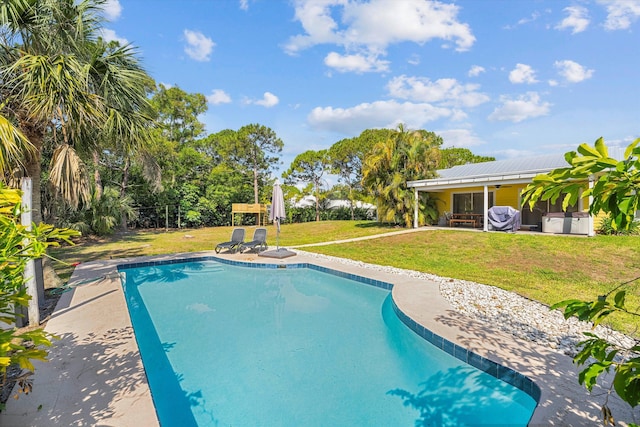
[(621, 13), (218, 96), (199, 46), (512, 153), (110, 35), (112, 9), (458, 115), (522, 74), (572, 71), (448, 92), (459, 138), (534, 17), (418, 21), (244, 4), (356, 63), (524, 107), (577, 21), (475, 71), (318, 24), (389, 114), (414, 60), (268, 100), (621, 142), (373, 26)]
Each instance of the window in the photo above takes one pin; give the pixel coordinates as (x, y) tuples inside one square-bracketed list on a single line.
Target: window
[(470, 202)]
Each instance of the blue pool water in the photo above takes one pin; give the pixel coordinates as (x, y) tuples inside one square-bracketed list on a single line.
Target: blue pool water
[(224, 345)]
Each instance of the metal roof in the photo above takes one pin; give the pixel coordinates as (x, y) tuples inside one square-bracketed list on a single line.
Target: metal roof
[(509, 166), (509, 171)]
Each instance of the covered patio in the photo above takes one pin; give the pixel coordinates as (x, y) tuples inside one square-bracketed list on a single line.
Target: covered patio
[(468, 191)]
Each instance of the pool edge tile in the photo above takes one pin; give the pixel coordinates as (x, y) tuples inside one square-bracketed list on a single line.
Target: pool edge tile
[(496, 370)]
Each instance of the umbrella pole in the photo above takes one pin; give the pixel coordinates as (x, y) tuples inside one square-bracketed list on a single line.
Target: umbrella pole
[(278, 235)]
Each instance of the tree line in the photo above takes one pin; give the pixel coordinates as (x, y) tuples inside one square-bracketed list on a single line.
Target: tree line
[(108, 148)]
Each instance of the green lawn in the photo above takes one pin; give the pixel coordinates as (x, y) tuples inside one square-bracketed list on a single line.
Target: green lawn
[(538, 266), (139, 243)]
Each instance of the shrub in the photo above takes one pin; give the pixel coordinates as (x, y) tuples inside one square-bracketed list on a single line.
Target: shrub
[(607, 228), (19, 245)]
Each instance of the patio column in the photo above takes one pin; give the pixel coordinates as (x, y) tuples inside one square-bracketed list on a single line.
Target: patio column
[(31, 284), (485, 209), (415, 207), (592, 232)]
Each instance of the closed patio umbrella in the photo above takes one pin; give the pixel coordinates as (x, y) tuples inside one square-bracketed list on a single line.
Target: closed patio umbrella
[(276, 215), (277, 209)]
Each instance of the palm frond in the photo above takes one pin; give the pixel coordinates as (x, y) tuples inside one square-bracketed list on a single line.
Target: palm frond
[(14, 146), (151, 170), (16, 14), (55, 87), (69, 176)]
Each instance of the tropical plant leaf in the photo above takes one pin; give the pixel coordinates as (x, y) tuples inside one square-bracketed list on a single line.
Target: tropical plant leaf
[(589, 375), (602, 149), (607, 163), (633, 148), (586, 150), (627, 382), (619, 299)]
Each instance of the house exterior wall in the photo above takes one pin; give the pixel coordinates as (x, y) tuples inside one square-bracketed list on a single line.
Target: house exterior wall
[(504, 196), (443, 201), (508, 195)]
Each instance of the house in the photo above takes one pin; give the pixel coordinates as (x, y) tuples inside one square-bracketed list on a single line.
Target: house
[(304, 202), (346, 204), (474, 188), (310, 200)]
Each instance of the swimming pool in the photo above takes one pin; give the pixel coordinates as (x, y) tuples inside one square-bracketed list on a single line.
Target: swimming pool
[(230, 345)]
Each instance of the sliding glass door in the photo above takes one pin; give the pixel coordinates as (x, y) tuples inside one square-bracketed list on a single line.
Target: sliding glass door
[(470, 202)]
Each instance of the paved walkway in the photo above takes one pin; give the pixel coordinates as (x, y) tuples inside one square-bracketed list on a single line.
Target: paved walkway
[(374, 236), (96, 377)]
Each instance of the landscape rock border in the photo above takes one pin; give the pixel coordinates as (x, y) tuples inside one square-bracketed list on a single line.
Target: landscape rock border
[(507, 311)]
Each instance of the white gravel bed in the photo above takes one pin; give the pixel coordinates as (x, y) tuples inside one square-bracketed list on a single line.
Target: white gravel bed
[(507, 311)]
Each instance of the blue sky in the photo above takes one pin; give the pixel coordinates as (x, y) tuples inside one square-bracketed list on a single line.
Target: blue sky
[(506, 78)]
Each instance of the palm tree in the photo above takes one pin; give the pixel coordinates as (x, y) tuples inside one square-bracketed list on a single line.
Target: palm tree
[(62, 85), (45, 83), (405, 156), (61, 79)]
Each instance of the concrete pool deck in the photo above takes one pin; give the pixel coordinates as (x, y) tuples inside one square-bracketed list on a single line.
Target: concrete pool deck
[(95, 375)]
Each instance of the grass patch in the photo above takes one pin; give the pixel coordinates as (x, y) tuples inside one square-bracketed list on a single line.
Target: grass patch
[(158, 242)]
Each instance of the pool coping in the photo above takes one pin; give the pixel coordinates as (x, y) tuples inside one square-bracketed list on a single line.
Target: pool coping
[(95, 374)]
